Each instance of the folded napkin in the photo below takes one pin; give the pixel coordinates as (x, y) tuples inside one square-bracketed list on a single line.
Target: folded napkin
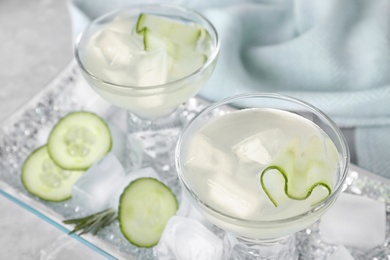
[(333, 54)]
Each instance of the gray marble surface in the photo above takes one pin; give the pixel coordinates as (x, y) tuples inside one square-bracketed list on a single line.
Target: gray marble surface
[(35, 39)]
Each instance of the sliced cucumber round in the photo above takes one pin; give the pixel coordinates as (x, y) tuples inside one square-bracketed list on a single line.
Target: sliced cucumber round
[(78, 140), (145, 207), (44, 179)]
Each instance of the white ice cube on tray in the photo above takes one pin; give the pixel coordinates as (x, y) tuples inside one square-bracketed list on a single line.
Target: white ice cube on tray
[(187, 239), (118, 142), (94, 190), (354, 221), (260, 147), (43, 135), (341, 253)]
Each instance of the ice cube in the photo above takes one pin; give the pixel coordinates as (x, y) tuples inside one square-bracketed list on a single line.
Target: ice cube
[(135, 151), (187, 239), (118, 142), (42, 135), (120, 77), (341, 253), (152, 68), (121, 25), (117, 48), (203, 155), (127, 62), (229, 196), (94, 190), (260, 147), (354, 221)]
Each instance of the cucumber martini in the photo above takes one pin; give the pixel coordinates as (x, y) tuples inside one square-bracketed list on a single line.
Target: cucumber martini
[(262, 172), (149, 59)]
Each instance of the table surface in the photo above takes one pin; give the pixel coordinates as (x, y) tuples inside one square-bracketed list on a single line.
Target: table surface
[(36, 44)]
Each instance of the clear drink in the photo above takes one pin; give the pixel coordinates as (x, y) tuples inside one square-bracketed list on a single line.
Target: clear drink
[(262, 167), (149, 74), (224, 159)]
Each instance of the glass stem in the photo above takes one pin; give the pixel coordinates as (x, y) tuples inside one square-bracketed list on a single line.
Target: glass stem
[(242, 248), (151, 142)]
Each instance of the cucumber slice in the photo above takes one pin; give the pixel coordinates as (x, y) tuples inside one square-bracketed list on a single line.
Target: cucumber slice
[(299, 172), (178, 32), (44, 179), (78, 140), (145, 207)]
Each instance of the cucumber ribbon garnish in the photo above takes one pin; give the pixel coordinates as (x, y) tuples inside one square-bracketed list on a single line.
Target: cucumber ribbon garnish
[(301, 172)]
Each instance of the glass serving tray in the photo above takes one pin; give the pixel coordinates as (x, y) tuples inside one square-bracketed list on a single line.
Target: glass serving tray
[(28, 128)]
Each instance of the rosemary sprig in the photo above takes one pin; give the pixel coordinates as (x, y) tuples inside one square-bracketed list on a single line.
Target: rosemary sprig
[(92, 223)]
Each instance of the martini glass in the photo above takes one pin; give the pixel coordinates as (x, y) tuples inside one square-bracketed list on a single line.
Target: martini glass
[(154, 107), (267, 235)]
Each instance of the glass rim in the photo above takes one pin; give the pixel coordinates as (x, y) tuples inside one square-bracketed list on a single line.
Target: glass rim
[(337, 189), (213, 32)]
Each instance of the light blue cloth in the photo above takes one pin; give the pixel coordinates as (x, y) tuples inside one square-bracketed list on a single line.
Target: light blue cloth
[(334, 54)]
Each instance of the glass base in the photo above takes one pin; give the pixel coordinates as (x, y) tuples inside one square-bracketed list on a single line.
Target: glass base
[(152, 142), (242, 249)]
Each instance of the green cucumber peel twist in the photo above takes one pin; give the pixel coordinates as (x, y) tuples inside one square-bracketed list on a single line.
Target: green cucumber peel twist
[(284, 175)]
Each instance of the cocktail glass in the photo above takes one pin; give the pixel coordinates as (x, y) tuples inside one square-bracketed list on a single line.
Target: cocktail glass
[(247, 238), (154, 111)]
